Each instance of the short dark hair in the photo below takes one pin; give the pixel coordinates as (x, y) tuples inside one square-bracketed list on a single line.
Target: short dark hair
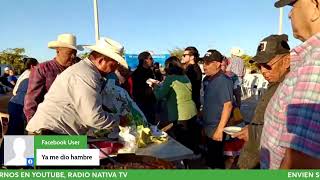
[(28, 62), (95, 54), (124, 72), (143, 56), (194, 51), (173, 66), (156, 65), (77, 59)]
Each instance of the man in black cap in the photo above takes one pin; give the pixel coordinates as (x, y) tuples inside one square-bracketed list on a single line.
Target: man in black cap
[(273, 60), (217, 107), (291, 136)]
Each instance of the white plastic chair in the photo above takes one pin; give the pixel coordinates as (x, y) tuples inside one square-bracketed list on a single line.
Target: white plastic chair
[(261, 85), (249, 84)]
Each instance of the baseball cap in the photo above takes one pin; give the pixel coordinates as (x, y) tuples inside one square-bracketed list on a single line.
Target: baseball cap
[(271, 46), (7, 68), (282, 3), (212, 55)]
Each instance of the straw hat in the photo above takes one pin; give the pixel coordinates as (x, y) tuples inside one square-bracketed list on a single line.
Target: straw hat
[(237, 51), (65, 40), (111, 49)]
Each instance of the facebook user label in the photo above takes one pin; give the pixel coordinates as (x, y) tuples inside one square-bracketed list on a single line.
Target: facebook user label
[(18, 150)]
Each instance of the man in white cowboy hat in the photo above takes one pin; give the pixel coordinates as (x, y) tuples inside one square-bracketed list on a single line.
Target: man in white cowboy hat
[(43, 75), (236, 71), (73, 104)]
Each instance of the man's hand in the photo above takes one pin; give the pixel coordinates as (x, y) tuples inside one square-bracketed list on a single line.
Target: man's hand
[(243, 134), (218, 135)]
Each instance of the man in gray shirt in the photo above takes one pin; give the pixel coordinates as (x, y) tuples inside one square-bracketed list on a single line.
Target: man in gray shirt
[(73, 104)]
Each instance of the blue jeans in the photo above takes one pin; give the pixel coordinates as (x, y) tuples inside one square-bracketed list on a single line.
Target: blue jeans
[(17, 122)]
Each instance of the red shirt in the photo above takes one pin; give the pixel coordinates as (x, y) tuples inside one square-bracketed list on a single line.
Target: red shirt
[(40, 79)]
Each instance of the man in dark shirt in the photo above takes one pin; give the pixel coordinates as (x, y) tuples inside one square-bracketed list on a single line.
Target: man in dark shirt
[(157, 72), (4, 78), (273, 60), (190, 60), (142, 92), (43, 75), (217, 107)]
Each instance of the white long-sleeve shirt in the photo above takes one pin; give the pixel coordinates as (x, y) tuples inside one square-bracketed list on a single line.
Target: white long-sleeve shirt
[(21, 87), (73, 103)]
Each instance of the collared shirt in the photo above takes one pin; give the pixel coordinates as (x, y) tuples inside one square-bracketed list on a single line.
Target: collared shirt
[(292, 118), (21, 87), (218, 89), (40, 80), (237, 66), (73, 104)]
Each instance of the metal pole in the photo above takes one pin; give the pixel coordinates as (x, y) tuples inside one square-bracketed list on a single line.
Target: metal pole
[(96, 19), (280, 21)]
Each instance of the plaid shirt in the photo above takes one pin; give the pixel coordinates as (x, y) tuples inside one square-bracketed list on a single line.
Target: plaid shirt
[(40, 80), (292, 118), (237, 66)]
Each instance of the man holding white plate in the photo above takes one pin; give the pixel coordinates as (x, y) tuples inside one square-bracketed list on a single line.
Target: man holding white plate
[(273, 60)]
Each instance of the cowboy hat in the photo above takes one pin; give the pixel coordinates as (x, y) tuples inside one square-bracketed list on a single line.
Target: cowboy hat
[(237, 51), (7, 68), (65, 40), (109, 48)]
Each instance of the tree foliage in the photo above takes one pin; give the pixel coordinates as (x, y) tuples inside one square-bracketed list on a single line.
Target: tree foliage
[(84, 55), (14, 58), (252, 66), (178, 52)]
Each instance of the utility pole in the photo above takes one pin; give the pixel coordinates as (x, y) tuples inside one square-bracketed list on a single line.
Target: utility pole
[(280, 20), (96, 19)]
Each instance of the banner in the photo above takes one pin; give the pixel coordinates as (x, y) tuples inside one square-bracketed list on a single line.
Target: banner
[(161, 174), (132, 59), (49, 151)]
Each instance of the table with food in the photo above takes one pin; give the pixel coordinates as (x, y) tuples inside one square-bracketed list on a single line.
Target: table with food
[(138, 144)]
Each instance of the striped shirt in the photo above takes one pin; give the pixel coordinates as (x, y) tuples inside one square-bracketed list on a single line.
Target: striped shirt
[(292, 117), (237, 66)]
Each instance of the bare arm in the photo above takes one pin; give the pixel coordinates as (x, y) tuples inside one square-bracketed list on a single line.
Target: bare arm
[(297, 160), (227, 108)]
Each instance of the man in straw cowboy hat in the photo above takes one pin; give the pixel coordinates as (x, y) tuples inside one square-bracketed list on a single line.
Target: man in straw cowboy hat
[(43, 75), (73, 104), (236, 70)]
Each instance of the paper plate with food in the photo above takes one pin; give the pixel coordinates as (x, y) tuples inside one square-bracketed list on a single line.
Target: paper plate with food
[(232, 130)]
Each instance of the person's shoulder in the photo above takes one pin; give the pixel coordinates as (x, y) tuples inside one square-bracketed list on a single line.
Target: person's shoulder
[(225, 77), (171, 77), (45, 65), (12, 78), (136, 72)]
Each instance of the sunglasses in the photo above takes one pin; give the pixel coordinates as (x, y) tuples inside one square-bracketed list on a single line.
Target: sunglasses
[(266, 65), (184, 55)]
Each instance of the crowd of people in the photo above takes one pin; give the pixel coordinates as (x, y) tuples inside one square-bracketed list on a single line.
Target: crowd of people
[(63, 95)]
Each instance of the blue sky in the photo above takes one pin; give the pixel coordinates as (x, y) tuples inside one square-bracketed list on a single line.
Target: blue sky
[(141, 24)]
